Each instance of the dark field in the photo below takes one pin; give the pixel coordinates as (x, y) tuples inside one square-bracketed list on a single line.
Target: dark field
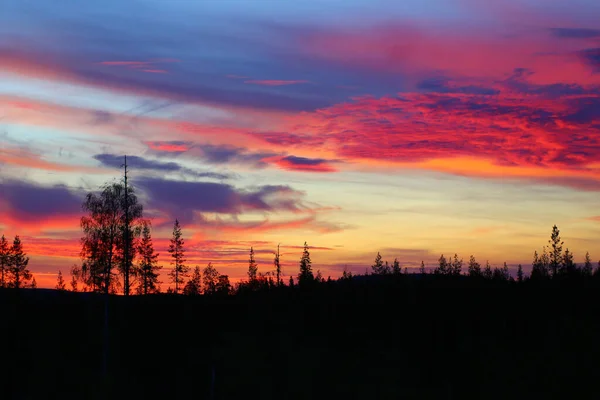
[(410, 337)]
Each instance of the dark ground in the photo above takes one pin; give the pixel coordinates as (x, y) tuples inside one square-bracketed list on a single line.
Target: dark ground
[(394, 339)]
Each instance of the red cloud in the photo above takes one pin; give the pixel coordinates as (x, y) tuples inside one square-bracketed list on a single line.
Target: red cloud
[(169, 146)]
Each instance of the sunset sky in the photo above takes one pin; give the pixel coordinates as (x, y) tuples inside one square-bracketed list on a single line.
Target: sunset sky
[(413, 128)]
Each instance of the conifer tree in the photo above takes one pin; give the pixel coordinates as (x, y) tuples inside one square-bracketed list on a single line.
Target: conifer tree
[(18, 274), (505, 272), (306, 275), (520, 273), (319, 277), (568, 266), (487, 272), (555, 256), (456, 265), (396, 270), (210, 278), (291, 282), (179, 271), (277, 263), (252, 269), (443, 266), (193, 286), (587, 266), (422, 268), (378, 267), (4, 260), (75, 271), (148, 268), (33, 283), (223, 285), (474, 268), (405, 271), (60, 282)]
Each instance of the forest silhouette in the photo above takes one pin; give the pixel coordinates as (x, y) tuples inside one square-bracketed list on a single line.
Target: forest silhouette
[(460, 330)]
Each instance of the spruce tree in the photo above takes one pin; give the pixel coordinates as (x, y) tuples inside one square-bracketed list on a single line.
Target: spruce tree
[(306, 275), (505, 272), (555, 256), (179, 271), (277, 263), (422, 268), (378, 267), (193, 286), (210, 279), (60, 282), (443, 266), (18, 274), (223, 285), (456, 265), (252, 269), (4, 260), (474, 268), (587, 266), (520, 275), (33, 283), (487, 272), (148, 268), (568, 267), (396, 270)]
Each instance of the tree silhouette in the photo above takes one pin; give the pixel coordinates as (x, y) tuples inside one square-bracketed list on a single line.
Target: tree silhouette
[(556, 257), (443, 267), (193, 286), (306, 275), (148, 268), (252, 269), (103, 243), (4, 260), (520, 275), (277, 263), (568, 266), (587, 266), (223, 285), (75, 271), (210, 279), (422, 268), (456, 266), (18, 274), (179, 271), (291, 282), (377, 267), (60, 282), (474, 268), (396, 269), (131, 227), (539, 269), (487, 271)]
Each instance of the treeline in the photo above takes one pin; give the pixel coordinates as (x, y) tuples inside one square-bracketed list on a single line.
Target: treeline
[(118, 256)]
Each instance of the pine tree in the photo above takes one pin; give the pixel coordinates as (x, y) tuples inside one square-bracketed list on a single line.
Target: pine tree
[(505, 272), (4, 260), (587, 266), (223, 285), (422, 268), (487, 272), (193, 286), (443, 266), (556, 257), (306, 275), (18, 274), (319, 277), (179, 271), (520, 274), (474, 267), (291, 282), (378, 267), (148, 268), (33, 283), (75, 271), (568, 265), (277, 263), (252, 269), (210, 278), (456, 267), (396, 270), (60, 282)]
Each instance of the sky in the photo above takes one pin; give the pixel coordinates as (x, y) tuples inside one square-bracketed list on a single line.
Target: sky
[(414, 128)]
